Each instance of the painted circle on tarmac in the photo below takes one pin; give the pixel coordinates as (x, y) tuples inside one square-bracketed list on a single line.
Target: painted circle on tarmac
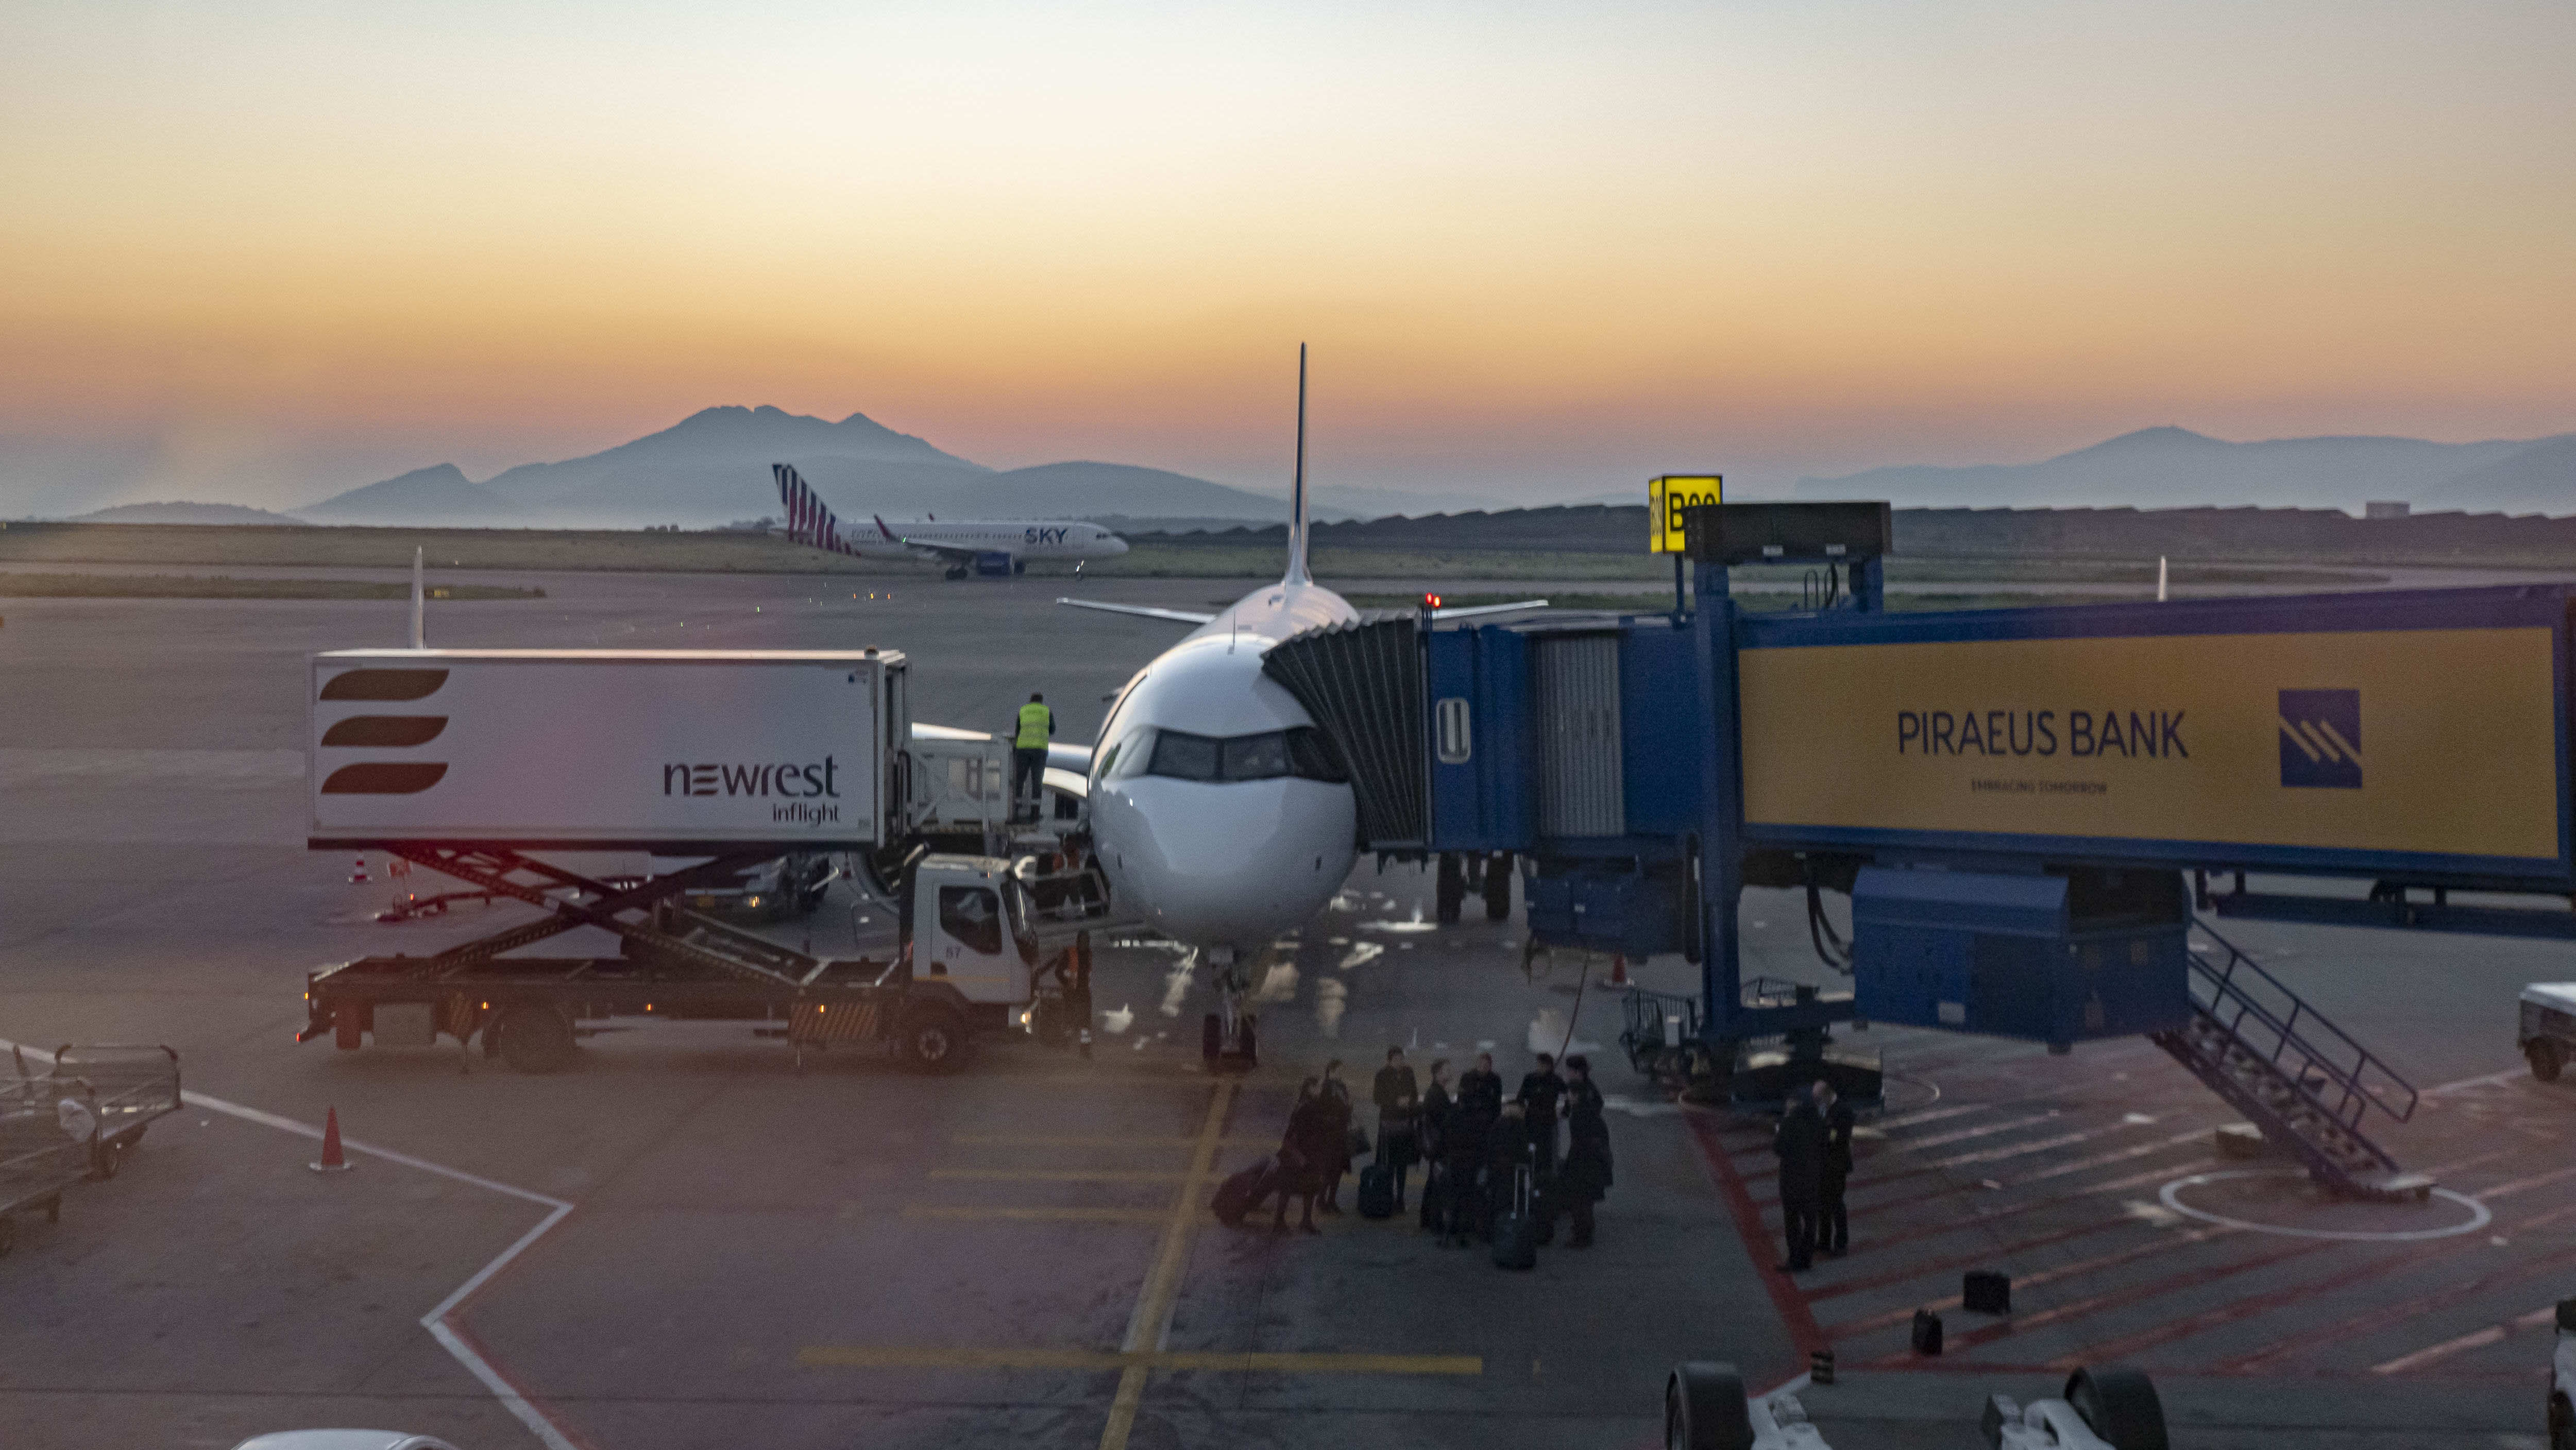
[(2479, 1215)]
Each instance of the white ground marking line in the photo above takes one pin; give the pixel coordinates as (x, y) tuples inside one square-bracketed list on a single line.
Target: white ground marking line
[(2171, 1195), (2464, 1084), (435, 1321)]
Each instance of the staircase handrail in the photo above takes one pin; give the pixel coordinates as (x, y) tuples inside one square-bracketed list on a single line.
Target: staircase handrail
[(2352, 1080)]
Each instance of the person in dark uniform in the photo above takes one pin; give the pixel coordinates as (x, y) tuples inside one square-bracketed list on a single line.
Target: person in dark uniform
[(1335, 1095), (1800, 1143), (1030, 733), (1833, 1223), (1399, 1118), (1481, 1088), (1437, 1107), (1585, 1177), (1540, 1093), (1462, 1154), (1298, 1160)]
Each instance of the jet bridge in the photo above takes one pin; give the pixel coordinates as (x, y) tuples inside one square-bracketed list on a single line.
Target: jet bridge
[(2034, 811)]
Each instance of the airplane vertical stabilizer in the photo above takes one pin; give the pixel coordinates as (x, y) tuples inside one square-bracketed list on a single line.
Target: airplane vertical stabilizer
[(1297, 488), (809, 522)]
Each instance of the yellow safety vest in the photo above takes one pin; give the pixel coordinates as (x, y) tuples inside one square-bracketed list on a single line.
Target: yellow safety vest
[(1036, 723)]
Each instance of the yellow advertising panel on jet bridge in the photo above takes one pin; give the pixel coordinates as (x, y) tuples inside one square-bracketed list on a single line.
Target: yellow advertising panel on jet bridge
[(2411, 740)]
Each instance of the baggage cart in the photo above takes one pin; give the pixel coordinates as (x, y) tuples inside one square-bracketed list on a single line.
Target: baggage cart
[(77, 1120)]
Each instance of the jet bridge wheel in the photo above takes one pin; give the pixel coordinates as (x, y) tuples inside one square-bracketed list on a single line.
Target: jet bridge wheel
[(1704, 1408), (1450, 894), (2547, 1058), (2120, 1404), (535, 1037)]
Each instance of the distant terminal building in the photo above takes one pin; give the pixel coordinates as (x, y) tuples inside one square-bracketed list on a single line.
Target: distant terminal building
[(2384, 509)]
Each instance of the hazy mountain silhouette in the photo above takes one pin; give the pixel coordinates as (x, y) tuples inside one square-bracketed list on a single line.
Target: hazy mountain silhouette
[(435, 495), (2177, 468), (179, 512), (2540, 479)]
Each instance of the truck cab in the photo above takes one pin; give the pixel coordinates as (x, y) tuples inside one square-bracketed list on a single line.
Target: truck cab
[(972, 925)]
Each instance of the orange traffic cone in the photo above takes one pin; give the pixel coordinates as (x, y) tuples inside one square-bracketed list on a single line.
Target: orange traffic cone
[(1618, 970), (358, 873), (333, 1160)]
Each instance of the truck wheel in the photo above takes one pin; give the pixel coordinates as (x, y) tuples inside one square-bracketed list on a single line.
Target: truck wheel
[(105, 1157), (2120, 1404), (934, 1039), (535, 1038), (1704, 1408), (2546, 1058), (1211, 1038)]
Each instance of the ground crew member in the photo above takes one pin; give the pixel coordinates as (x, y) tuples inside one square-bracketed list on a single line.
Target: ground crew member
[(1399, 1118), (1800, 1142), (1029, 755), (1538, 1097), (1585, 1178), (1833, 1224), (1480, 1088)]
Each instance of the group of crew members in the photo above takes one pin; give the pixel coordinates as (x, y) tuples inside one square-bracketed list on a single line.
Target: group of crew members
[(1485, 1156), (1814, 1144)]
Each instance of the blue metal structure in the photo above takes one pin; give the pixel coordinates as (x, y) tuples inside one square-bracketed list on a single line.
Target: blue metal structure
[(2046, 935)]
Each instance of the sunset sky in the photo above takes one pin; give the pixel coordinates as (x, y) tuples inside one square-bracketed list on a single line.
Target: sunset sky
[(1541, 251)]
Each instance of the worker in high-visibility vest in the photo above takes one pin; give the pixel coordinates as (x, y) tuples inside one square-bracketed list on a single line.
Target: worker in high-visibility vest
[(1029, 755)]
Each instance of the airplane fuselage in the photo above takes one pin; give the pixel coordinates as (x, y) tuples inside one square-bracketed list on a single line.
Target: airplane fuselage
[(1217, 811)]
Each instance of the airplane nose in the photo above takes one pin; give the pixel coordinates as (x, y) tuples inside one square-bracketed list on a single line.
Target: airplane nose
[(1115, 544), (1233, 863)]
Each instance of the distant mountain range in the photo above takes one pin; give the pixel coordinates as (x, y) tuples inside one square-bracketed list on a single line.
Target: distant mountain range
[(184, 513), (713, 467), (2156, 468)]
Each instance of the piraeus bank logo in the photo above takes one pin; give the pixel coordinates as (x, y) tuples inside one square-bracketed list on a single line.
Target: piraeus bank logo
[(2321, 738)]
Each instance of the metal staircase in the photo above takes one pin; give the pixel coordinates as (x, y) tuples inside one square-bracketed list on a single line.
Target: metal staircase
[(2300, 1079)]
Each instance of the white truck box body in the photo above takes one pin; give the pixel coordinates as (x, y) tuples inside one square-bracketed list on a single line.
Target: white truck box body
[(696, 749)]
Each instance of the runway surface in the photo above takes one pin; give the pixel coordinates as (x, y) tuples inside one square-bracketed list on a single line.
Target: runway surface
[(1019, 1255)]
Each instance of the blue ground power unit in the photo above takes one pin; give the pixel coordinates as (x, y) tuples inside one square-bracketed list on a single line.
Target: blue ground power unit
[(2056, 959)]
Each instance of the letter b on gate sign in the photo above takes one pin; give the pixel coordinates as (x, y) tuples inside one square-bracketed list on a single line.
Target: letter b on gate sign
[(2321, 738)]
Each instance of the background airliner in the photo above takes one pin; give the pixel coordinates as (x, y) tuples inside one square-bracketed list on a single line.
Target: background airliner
[(993, 547)]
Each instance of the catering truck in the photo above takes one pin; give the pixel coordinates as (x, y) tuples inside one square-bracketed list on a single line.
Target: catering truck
[(491, 766)]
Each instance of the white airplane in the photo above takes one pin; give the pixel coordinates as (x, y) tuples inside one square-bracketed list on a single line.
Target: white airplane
[(1219, 812), (993, 547)]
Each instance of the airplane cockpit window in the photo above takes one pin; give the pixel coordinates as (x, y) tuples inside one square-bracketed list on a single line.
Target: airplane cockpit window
[(1303, 753)]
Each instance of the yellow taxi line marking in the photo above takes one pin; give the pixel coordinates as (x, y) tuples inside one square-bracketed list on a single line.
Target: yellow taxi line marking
[(1042, 1140), (1163, 1285), (1053, 1175), (1136, 1361), (1034, 1215)]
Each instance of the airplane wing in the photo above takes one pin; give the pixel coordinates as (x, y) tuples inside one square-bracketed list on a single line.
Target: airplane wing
[(1176, 616), (1475, 609)]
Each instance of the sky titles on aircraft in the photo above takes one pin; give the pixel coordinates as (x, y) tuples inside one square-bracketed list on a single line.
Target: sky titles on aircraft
[(2154, 734)]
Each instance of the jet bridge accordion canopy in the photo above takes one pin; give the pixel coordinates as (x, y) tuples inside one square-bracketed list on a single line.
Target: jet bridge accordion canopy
[(1363, 684)]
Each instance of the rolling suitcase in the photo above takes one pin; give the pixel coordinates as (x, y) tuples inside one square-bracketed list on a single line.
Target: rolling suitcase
[(1377, 1191), (1515, 1231), (1927, 1332), (1239, 1195)]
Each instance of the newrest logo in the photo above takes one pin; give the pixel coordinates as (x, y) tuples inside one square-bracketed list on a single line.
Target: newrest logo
[(2321, 738)]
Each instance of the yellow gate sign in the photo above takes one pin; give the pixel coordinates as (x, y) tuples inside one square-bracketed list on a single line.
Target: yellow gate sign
[(1667, 496)]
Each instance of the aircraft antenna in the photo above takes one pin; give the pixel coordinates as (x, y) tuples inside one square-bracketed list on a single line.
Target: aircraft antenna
[(1297, 487)]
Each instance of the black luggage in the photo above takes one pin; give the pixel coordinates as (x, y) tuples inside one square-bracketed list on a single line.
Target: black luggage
[(1237, 1196), (1515, 1230), (1927, 1332), (1377, 1191), (1435, 1199), (1986, 1292)]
